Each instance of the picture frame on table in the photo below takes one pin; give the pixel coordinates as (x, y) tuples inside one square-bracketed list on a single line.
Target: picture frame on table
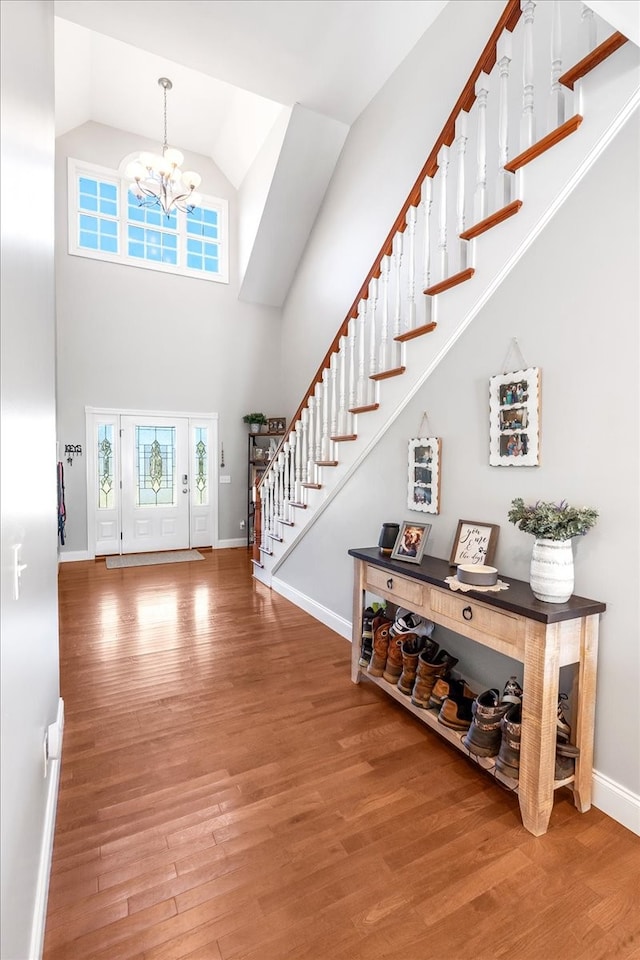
[(411, 541), (423, 487), (514, 425), (276, 424), (474, 542)]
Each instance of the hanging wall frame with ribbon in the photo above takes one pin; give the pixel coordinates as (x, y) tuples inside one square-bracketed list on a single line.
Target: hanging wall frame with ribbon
[(423, 489), (514, 410)]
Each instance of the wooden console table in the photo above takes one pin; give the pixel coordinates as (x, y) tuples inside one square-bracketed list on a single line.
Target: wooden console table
[(542, 636)]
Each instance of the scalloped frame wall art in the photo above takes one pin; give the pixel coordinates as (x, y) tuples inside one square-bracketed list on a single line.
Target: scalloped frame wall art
[(514, 412), (423, 487)]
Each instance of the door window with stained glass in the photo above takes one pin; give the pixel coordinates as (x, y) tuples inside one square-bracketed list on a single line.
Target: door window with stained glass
[(155, 466)]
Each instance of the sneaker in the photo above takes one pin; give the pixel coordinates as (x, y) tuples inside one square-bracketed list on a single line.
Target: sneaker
[(563, 730), (408, 622), (485, 735), (366, 644), (512, 692)]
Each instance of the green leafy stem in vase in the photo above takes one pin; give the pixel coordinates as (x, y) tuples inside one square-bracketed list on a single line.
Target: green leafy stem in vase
[(552, 521)]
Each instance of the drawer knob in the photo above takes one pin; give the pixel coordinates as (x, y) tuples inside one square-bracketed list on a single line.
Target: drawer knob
[(390, 583), (467, 613)]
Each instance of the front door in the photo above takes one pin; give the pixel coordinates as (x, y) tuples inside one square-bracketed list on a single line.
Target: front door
[(155, 483)]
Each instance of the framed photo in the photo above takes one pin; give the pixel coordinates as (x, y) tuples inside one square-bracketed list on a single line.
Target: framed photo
[(276, 424), (411, 541), (514, 409), (423, 490), (474, 543)]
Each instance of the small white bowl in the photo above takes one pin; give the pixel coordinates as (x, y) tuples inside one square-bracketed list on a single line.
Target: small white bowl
[(477, 574)]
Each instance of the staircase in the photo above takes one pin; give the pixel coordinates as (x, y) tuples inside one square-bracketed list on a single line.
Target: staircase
[(557, 81)]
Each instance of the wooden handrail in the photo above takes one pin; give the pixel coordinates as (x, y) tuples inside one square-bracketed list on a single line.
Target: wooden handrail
[(486, 62)]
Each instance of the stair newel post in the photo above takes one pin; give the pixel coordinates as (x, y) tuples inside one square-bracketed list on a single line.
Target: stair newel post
[(257, 522), (344, 417), (333, 413), (480, 199), (362, 391), (528, 121), (443, 167), (556, 107), (384, 321), (427, 201), (373, 304), (588, 18), (504, 57), (397, 246), (411, 219), (304, 448), (461, 136), (325, 446)]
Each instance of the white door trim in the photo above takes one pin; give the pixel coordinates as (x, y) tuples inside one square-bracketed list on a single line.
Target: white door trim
[(92, 412)]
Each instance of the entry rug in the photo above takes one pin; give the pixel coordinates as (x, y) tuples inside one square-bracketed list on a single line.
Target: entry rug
[(147, 559)]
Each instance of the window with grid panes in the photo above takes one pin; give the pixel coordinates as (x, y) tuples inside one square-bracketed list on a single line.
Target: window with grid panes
[(107, 223)]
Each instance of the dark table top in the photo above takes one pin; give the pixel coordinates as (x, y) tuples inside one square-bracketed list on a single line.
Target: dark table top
[(517, 599)]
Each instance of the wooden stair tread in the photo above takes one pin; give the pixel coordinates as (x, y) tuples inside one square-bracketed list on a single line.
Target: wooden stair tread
[(326, 463), (312, 486), (298, 506), (274, 536), (257, 563), (396, 372), (416, 332), (287, 523), (587, 64), (451, 281), (345, 437), (568, 127), (366, 409), (492, 220)]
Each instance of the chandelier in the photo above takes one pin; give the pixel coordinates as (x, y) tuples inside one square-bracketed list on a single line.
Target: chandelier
[(158, 179)]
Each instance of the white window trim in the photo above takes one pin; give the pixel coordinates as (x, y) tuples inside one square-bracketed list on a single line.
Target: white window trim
[(75, 168)]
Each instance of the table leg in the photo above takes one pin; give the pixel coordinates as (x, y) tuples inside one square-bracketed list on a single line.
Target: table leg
[(356, 618), (539, 710), (586, 713)]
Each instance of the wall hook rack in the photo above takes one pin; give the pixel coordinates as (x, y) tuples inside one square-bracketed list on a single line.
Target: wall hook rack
[(72, 450)]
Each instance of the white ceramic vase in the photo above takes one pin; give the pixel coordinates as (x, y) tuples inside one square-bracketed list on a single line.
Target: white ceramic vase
[(551, 576)]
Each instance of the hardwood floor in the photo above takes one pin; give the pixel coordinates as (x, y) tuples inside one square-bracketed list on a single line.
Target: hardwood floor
[(228, 793)]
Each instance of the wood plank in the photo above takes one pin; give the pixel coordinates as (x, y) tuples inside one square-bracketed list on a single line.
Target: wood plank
[(450, 282), (492, 220), (416, 332), (566, 129), (588, 63)]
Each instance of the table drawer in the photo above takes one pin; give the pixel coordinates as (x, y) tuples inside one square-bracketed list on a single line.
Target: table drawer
[(472, 618), (410, 591)]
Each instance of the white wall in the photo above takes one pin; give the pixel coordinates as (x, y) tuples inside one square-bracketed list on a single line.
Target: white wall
[(140, 339), (573, 303), (29, 669)]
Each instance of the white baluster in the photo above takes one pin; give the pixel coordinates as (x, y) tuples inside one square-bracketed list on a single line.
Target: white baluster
[(480, 198), (412, 216), (312, 470), (427, 200), (286, 480), (461, 144), (353, 390), (384, 323), (362, 392), (333, 412), (304, 449), (318, 445), (443, 167), (373, 303), (296, 493), (528, 122), (590, 27), (556, 107), (344, 417), (505, 179), (326, 445), (397, 246)]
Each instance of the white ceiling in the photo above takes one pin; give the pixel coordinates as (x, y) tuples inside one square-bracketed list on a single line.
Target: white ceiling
[(233, 63)]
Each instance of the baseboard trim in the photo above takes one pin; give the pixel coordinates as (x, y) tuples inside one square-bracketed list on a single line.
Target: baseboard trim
[(225, 544), (72, 556), (46, 850), (616, 801), (330, 619)]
